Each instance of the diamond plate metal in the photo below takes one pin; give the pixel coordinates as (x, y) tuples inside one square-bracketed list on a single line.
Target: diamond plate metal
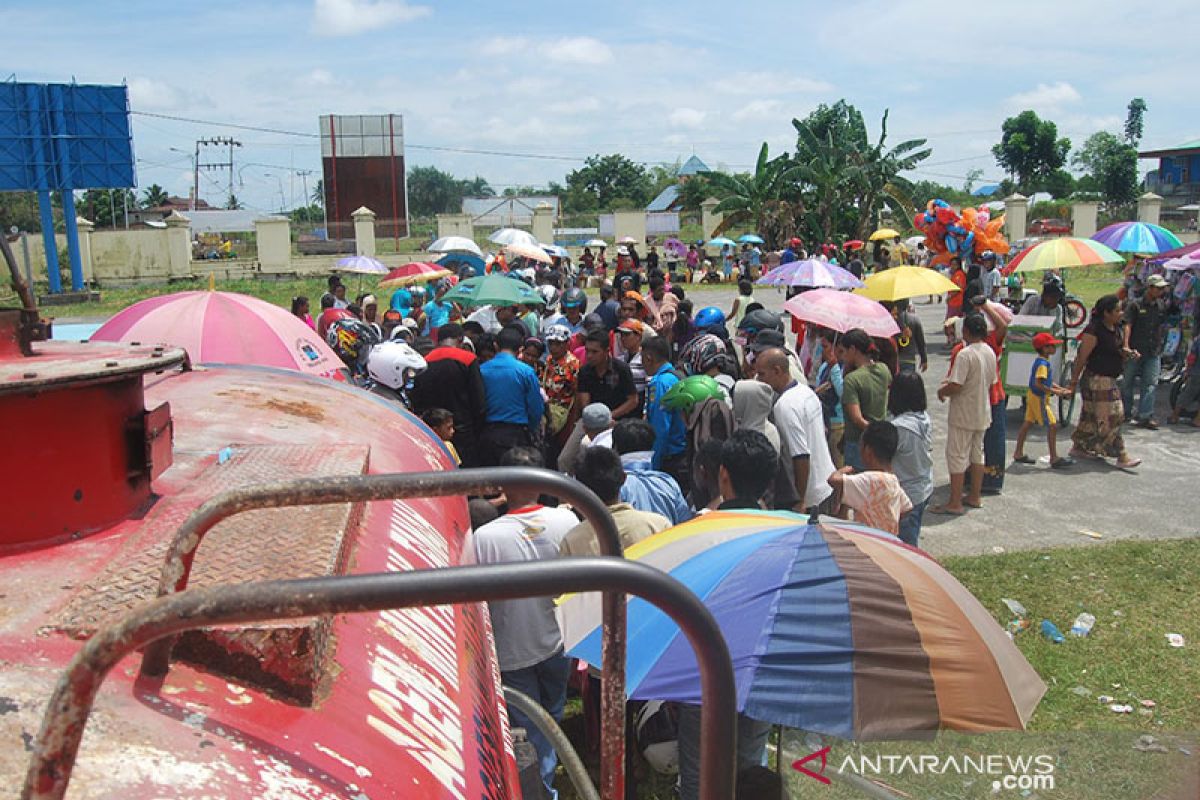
[(269, 544)]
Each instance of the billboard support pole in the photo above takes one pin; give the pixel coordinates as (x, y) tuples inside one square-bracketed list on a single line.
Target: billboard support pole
[(73, 240), (47, 214)]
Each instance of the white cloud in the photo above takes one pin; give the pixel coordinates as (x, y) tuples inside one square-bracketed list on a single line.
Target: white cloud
[(503, 46), (759, 109), (350, 17), (1046, 97), (579, 105), (577, 50), (686, 118), (148, 94), (320, 77), (760, 83)]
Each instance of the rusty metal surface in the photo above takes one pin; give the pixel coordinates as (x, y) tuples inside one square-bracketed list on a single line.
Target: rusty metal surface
[(178, 563), (57, 743), (54, 364), (295, 542)]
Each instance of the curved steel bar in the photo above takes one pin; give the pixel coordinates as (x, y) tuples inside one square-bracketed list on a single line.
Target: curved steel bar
[(177, 566), (57, 742), (548, 725)]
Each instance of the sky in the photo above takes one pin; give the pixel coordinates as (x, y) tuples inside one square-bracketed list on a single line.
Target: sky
[(542, 85)]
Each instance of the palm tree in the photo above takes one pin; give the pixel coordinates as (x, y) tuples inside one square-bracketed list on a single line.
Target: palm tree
[(750, 197), (317, 198), (880, 181), (848, 180), (154, 196)]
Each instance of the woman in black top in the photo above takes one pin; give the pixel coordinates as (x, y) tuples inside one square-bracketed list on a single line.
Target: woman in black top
[(1098, 364)]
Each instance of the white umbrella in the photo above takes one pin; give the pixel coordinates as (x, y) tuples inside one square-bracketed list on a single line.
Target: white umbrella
[(455, 244), (530, 251), (555, 250), (627, 240), (513, 236), (363, 265), (595, 243)]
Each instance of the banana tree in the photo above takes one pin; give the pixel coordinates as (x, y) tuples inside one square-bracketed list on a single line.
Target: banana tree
[(752, 197)]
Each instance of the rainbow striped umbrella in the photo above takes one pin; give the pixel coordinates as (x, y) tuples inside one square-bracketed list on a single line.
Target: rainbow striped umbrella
[(1137, 237), (834, 628), (1062, 253)]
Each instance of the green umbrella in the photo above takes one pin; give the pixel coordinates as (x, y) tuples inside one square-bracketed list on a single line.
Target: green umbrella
[(493, 290)]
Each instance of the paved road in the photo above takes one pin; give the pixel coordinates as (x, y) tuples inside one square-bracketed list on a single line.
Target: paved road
[(1041, 507)]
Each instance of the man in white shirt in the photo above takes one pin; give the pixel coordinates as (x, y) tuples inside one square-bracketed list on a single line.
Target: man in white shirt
[(966, 387), (529, 643), (797, 415)]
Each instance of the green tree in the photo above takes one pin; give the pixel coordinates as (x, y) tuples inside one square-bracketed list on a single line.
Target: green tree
[(154, 196), (604, 179), (317, 198), (20, 210), (973, 176), (477, 187), (106, 207), (307, 215), (846, 179), (233, 204), (1133, 121), (1030, 150), (431, 191), (1110, 165), (748, 197)]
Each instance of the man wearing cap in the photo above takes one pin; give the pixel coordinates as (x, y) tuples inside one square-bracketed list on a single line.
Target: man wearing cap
[(765, 340), (452, 381), (594, 429), (560, 377), (1143, 335), (629, 338)]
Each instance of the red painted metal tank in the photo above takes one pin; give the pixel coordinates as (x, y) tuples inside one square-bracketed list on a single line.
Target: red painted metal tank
[(402, 703)]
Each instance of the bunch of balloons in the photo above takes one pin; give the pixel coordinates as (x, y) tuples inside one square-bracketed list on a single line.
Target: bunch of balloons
[(949, 233)]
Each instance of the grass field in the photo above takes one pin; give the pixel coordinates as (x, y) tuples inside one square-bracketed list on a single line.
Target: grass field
[(1138, 592)]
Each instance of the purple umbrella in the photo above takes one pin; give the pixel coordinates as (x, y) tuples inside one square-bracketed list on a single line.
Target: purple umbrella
[(675, 247), (1137, 237), (811, 272)]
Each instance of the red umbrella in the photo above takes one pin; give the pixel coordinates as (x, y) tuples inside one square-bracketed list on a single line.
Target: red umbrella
[(414, 272), (853, 244), (224, 328)]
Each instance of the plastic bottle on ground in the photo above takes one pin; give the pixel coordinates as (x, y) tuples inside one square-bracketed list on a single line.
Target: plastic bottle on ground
[(1051, 632), (1083, 625)]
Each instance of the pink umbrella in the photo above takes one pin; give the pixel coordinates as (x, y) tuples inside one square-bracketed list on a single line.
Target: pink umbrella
[(224, 328), (842, 311)]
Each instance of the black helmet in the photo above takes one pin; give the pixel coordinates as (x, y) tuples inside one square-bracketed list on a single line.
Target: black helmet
[(1052, 284), (574, 298), (760, 320)]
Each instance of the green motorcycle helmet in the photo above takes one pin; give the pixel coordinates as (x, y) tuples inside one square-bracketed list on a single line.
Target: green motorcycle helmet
[(690, 391)]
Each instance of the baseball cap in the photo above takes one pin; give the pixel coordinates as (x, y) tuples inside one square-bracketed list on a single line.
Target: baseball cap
[(558, 333), (631, 326), (1157, 281), (767, 339), (1044, 339), (596, 416)]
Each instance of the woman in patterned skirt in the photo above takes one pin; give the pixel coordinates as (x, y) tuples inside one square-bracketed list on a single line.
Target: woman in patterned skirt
[(1097, 366)]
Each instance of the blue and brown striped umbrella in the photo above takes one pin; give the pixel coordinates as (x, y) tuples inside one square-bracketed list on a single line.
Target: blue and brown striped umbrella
[(834, 628)]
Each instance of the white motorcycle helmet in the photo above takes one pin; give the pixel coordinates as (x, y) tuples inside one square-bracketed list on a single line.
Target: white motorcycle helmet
[(391, 363)]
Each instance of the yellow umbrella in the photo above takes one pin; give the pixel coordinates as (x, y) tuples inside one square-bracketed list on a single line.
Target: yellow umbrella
[(899, 283), (884, 233)]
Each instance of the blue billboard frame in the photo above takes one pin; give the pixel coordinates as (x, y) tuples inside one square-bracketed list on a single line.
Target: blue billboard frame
[(63, 137)]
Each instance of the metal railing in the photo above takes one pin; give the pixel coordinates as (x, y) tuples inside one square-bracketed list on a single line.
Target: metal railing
[(57, 744), (177, 565)]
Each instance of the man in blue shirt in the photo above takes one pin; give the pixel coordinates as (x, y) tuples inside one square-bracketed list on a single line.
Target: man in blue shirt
[(514, 404), (791, 252), (645, 488), (437, 311), (670, 434)]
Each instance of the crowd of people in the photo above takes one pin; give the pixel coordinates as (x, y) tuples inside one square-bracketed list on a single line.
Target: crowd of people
[(667, 411)]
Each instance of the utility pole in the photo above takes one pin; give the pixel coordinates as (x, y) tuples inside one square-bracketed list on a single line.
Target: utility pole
[(217, 141)]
